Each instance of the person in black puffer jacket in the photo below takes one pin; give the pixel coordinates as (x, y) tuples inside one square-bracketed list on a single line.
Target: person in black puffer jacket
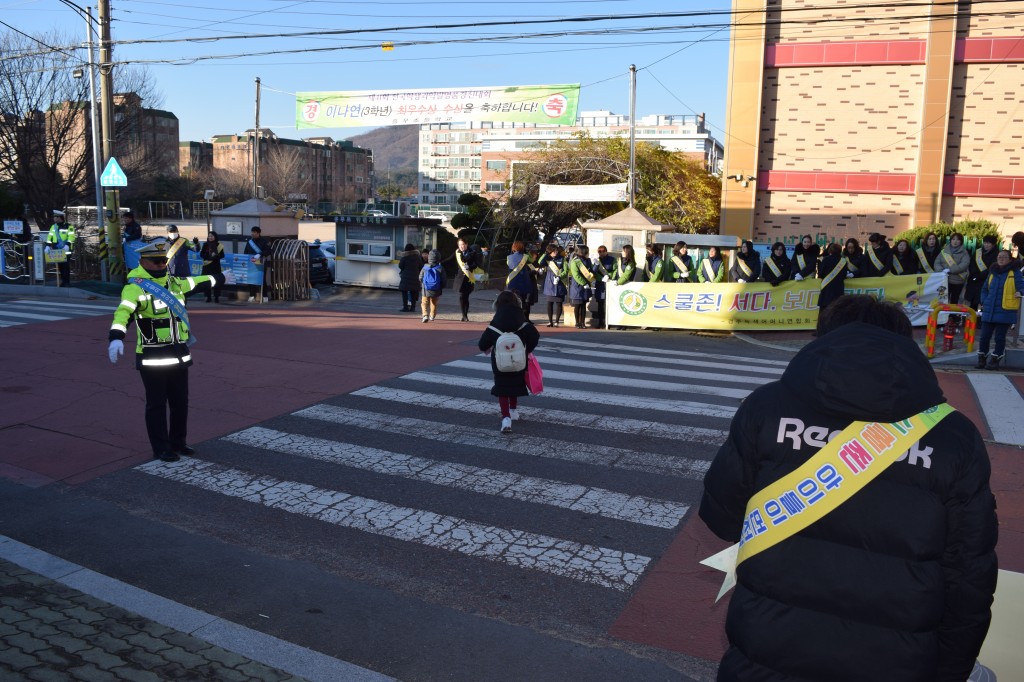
[(509, 386), (896, 583), (805, 258), (409, 277)]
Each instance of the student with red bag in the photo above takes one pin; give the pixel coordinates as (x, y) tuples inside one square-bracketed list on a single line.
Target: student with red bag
[(509, 339)]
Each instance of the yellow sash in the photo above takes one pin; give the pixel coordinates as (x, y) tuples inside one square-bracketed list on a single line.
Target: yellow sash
[(516, 270), (874, 261), (773, 267), (462, 266), (950, 261), (979, 261), (897, 264), (924, 261), (744, 267), (586, 271), (554, 269), (834, 474), (835, 272), (680, 265), (801, 261), (178, 243), (709, 271)]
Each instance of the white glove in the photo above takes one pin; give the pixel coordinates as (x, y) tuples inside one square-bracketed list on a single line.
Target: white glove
[(849, 274), (798, 277), (1018, 294), (605, 279), (684, 273), (115, 350), (742, 281), (946, 271)]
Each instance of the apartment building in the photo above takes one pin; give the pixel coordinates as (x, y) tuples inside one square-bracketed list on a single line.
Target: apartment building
[(852, 119), (456, 158)]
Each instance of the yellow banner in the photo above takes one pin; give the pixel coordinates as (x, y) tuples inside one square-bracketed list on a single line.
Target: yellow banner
[(758, 305)]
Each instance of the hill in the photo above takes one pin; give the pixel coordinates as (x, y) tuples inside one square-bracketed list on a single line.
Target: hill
[(396, 147)]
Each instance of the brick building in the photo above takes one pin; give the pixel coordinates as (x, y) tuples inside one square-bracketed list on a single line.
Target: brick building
[(320, 168), (855, 119), (456, 158)]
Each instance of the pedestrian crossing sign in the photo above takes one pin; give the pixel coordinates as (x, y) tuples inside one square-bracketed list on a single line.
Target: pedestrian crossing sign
[(113, 176)]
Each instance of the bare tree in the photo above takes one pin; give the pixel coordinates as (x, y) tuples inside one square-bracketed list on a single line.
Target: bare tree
[(40, 123), (284, 171)]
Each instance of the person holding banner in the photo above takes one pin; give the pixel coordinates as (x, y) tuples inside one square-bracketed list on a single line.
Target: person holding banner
[(776, 266), (212, 253), (854, 258), (984, 257), (748, 264), (877, 257), (155, 299), (904, 260), (259, 249), (625, 268), (682, 263), (928, 252), (863, 506), (955, 262), (581, 283), (519, 278), (805, 258), (60, 242), (177, 253), (711, 269), (655, 263), (554, 283), (604, 266), (832, 273)]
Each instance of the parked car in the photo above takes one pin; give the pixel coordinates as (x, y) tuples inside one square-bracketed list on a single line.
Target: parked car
[(377, 213), (437, 215), (330, 249), (319, 270)]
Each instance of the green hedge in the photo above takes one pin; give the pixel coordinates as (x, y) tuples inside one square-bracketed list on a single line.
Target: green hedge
[(972, 230)]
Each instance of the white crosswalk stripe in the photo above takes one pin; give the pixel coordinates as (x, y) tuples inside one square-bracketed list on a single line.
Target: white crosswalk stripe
[(618, 400), (23, 311), (633, 508), (550, 416), (1001, 404), (616, 458), (588, 563), (599, 471), (646, 352), (484, 365)]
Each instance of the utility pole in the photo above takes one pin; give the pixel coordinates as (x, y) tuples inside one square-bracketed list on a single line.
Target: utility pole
[(256, 147), (632, 134), (111, 196)]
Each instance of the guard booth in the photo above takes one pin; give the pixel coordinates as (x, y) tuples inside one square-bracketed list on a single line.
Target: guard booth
[(628, 226), (697, 246), (369, 248)]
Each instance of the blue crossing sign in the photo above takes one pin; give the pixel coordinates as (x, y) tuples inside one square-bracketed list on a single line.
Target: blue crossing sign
[(113, 176)]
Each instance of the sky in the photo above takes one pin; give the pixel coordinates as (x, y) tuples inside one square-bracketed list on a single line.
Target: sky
[(682, 61)]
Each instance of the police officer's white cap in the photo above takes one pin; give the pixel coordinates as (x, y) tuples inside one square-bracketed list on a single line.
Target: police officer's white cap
[(157, 249)]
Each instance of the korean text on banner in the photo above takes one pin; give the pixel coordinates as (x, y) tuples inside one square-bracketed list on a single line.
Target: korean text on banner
[(362, 108), (738, 307), (613, 192)]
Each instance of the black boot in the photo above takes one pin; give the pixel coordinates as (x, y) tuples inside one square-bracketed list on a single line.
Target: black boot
[(981, 361), (993, 361)]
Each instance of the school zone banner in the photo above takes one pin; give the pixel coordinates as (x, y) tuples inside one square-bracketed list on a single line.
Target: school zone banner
[(737, 307)]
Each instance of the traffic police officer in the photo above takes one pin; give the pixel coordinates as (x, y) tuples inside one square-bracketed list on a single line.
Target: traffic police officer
[(156, 301), (61, 237)]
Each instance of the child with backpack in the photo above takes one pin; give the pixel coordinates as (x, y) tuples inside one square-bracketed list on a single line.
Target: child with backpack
[(509, 338), (432, 281)]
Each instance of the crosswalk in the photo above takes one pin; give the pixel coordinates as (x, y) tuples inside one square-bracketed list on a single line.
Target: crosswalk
[(598, 474), (25, 311)]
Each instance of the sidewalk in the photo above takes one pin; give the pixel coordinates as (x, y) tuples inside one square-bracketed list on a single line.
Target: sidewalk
[(50, 630)]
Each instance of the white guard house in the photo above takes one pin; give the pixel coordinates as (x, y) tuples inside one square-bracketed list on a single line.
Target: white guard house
[(369, 248)]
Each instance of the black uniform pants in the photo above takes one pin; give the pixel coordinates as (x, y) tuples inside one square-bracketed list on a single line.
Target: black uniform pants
[(64, 273), (166, 387)]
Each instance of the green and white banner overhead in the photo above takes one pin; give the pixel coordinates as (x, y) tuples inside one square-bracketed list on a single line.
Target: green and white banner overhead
[(581, 193), (365, 108)]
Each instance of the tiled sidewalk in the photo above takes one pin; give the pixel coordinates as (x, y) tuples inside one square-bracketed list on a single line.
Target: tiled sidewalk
[(51, 632)]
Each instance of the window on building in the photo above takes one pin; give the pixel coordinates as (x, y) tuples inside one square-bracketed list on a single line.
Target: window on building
[(494, 187), (497, 165)]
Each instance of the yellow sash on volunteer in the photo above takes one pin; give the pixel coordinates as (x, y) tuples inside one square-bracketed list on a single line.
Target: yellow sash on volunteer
[(178, 243), (586, 271), (709, 270), (516, 270), (801, 261), (835, 272), (681, 266), (924, 260), (773, 267), (555, 270), (948, 257), (896, 264), (979, 261), (874, 261), (744, 267), (834, 474), (462, 266)]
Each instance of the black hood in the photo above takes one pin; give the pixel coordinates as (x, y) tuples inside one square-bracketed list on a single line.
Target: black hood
[(508, 318), (864, 372)]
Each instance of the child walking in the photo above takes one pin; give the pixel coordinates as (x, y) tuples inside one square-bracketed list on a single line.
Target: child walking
[(432, 281), (508, 386)]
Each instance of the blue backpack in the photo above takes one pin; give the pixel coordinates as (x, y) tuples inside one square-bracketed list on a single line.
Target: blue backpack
[(432, 278)]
